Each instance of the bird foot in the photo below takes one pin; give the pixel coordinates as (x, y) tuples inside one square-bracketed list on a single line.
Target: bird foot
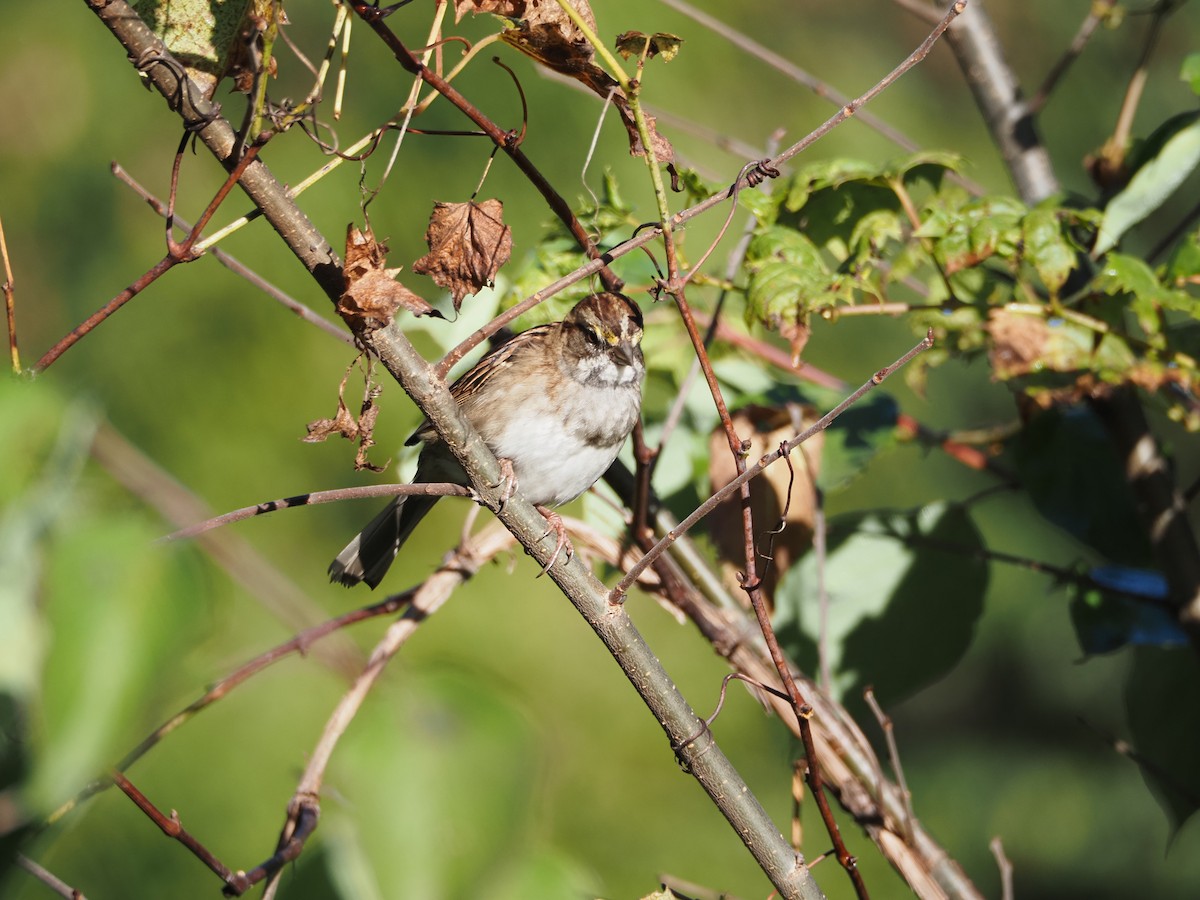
[(554, 520), (508, 478)]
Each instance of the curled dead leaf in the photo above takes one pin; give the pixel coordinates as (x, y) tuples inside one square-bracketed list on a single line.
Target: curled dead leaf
[(468, 243), (372, 295), (546, 34), (781, 499), (343, 423)]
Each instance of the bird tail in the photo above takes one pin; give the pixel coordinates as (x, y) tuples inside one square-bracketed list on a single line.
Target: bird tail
[(371, 553)]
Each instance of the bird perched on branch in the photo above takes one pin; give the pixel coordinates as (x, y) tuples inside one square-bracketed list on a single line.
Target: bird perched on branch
[(554, 405)]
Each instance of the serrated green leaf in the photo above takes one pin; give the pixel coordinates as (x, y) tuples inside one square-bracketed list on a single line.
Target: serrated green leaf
[(896, 582), (787, 276), (1047, 249), (1153, 182), (1124, 274), (1132, 279)]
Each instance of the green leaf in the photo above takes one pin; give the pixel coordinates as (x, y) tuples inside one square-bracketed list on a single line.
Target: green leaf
[(1162, 705), (1066, 460), (1117, 606), (1190, 71), (788, 275), (1183, 266), (1047, 249), (855, 438), (905, 592), (1154, 181)]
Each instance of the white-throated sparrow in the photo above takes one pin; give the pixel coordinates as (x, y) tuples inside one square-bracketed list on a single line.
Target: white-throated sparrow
[(556, 402)]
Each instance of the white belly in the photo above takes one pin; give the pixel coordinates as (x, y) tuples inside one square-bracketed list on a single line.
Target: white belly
[(552, 467)]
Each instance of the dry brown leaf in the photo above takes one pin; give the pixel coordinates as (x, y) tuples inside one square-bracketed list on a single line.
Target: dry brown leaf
[(547, 35), (796, 334), (634, 43), (372, 294), (1017, 342), (468, 243), (766, 427), (359, 429), (512, 9)]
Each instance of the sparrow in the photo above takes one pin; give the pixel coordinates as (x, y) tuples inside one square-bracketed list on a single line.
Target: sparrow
[(554, 404)]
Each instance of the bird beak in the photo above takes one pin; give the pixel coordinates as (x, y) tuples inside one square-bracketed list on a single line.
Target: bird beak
[(624, 353)]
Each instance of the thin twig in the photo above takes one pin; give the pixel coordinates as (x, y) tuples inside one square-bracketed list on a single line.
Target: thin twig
[(788, 68), (1096, 14), (49, 879), (238, 268), (176, 253), (373, 17), (427, 599), (889, 735), (313, 498), (9, 288), (618, 593), (1005, 867), (1137, 81), (171, 826)]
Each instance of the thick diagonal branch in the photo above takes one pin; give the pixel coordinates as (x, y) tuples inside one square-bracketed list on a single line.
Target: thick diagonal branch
[(694, 746)]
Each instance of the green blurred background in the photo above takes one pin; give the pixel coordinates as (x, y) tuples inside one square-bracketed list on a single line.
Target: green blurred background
[(504, 754)]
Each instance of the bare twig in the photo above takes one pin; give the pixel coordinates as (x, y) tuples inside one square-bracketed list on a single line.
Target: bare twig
[(9, 288), (788, 68), (313, 498), (238, 268), (617, 594), (1005, 867), (889, 735), (49, 879), (177, 252), (1096, 13), (998, 95), (171, 826), (1119, 142)]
